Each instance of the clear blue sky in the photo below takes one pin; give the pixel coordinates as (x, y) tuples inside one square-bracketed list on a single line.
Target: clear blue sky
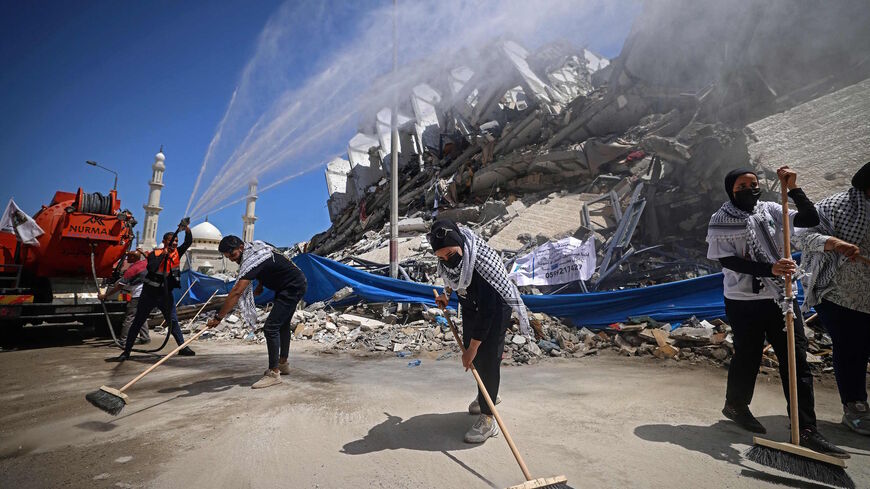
[(112, 81)]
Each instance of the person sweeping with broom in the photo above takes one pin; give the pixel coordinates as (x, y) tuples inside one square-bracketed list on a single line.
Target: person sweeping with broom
[(487, 296), (747, 237), (835, 255), (258, 261)]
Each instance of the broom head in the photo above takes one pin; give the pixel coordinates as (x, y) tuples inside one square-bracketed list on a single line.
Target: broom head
[(800, 462), (558, 482), (109, 400)]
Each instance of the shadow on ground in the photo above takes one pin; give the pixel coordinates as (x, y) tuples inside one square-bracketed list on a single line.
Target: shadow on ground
[(719, 439), (426, 432)]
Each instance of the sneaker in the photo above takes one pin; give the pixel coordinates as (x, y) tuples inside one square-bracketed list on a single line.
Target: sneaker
[(474, 407), (812, 439), (744, 418), (484, 428), (186, 352), (270, 378), (142, 341), (284, 368), (120, 358), (856, 416)]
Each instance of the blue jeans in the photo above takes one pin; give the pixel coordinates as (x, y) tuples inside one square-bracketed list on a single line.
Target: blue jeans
[(148, 300), (277, 327)]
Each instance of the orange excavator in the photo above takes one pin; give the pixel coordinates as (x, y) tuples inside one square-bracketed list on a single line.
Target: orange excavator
[(86, 237)]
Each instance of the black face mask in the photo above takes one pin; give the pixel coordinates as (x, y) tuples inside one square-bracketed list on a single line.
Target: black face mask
[(746, 199), (453, 260)]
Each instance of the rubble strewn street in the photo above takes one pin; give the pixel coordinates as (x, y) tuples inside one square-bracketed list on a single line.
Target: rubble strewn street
[(407, 331)]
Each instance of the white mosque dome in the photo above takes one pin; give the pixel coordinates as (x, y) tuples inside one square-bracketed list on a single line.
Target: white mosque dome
[(159, 158), (206, 231)]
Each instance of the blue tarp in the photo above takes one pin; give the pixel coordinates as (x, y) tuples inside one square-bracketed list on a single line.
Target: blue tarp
[(205, 286), (672, 302)]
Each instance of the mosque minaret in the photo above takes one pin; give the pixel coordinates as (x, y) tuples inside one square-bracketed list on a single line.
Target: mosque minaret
[(152, 207), (249, 218)]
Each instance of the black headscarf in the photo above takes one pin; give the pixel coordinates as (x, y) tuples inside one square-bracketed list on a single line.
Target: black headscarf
[(861, 180), (732, 177), (444, 233)]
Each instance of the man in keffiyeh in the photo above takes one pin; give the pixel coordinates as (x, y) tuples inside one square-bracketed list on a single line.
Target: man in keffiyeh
[(258, 261), (488, 297), (746, 236), (837, 286)]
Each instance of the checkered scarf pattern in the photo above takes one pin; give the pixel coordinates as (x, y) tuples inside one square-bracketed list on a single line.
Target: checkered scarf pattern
[(842, 215), (731, 224), (255, 253), (477, 255)]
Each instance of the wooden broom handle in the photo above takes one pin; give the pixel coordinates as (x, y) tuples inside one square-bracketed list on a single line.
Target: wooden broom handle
[(173, 352), (501, 425), (789, 325)]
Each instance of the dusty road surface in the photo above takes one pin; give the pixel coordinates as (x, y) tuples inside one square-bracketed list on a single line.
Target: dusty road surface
[(342, 422)]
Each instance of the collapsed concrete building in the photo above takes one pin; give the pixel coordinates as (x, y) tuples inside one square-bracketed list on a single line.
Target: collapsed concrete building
[(631, 151)]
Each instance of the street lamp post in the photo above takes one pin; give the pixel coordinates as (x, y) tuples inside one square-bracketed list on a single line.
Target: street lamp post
[(94, 163)]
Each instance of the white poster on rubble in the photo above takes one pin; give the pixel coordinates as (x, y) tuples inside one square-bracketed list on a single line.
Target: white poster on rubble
[(559, 262)]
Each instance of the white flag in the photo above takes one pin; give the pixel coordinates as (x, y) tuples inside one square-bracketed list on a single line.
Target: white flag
[(16, 221), (560, 262)]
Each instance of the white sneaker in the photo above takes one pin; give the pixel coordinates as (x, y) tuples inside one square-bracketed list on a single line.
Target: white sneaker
[(474, 407), (284, 368), (269, 379), (484, 428)]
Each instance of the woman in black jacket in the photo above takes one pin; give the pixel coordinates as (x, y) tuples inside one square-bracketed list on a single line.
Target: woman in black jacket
[(487, 296), (746, 236)]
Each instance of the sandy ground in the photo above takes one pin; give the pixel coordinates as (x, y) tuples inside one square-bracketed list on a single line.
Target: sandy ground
[(340, 422)]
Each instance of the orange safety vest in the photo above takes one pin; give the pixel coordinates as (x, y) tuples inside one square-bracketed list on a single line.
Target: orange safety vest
[(172, 261), (168, 267)]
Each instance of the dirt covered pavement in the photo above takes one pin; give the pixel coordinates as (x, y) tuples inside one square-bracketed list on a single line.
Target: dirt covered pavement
[(341, 421)]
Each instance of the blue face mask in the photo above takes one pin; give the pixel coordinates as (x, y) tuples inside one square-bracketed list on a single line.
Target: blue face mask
[(453, 260)]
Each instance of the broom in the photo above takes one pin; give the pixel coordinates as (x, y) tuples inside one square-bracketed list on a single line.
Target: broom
[(791, 457), (112, 400), (558, 482)]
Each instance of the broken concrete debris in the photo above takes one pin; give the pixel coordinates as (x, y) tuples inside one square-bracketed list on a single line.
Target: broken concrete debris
[(415, 330), (533, 146)]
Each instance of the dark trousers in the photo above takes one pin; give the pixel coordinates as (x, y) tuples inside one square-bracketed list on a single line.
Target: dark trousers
[(277, 327), (150, 299), (850, 332), (751, 323), (487, 362)]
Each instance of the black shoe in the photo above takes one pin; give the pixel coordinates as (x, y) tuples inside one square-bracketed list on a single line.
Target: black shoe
[(120, 358), (744, 418), (142, 341), (812, 439), (186, 352)]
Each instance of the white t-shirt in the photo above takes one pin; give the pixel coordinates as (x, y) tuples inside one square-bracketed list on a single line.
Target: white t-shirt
[(738, 286)]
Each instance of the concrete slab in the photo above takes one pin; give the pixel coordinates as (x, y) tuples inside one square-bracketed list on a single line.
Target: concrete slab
[(826, 140), (555, 218)]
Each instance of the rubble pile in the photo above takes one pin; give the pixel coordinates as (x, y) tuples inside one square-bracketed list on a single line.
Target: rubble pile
[(639, 143), (411, 330)]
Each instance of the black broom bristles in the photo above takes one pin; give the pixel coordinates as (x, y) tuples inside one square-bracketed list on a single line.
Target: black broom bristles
[(106, 401), (800, 466)]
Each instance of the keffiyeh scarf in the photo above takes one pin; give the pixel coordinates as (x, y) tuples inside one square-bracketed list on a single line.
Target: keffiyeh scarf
[(758, 230), (842, 215), (255, 253), (477, 255)]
